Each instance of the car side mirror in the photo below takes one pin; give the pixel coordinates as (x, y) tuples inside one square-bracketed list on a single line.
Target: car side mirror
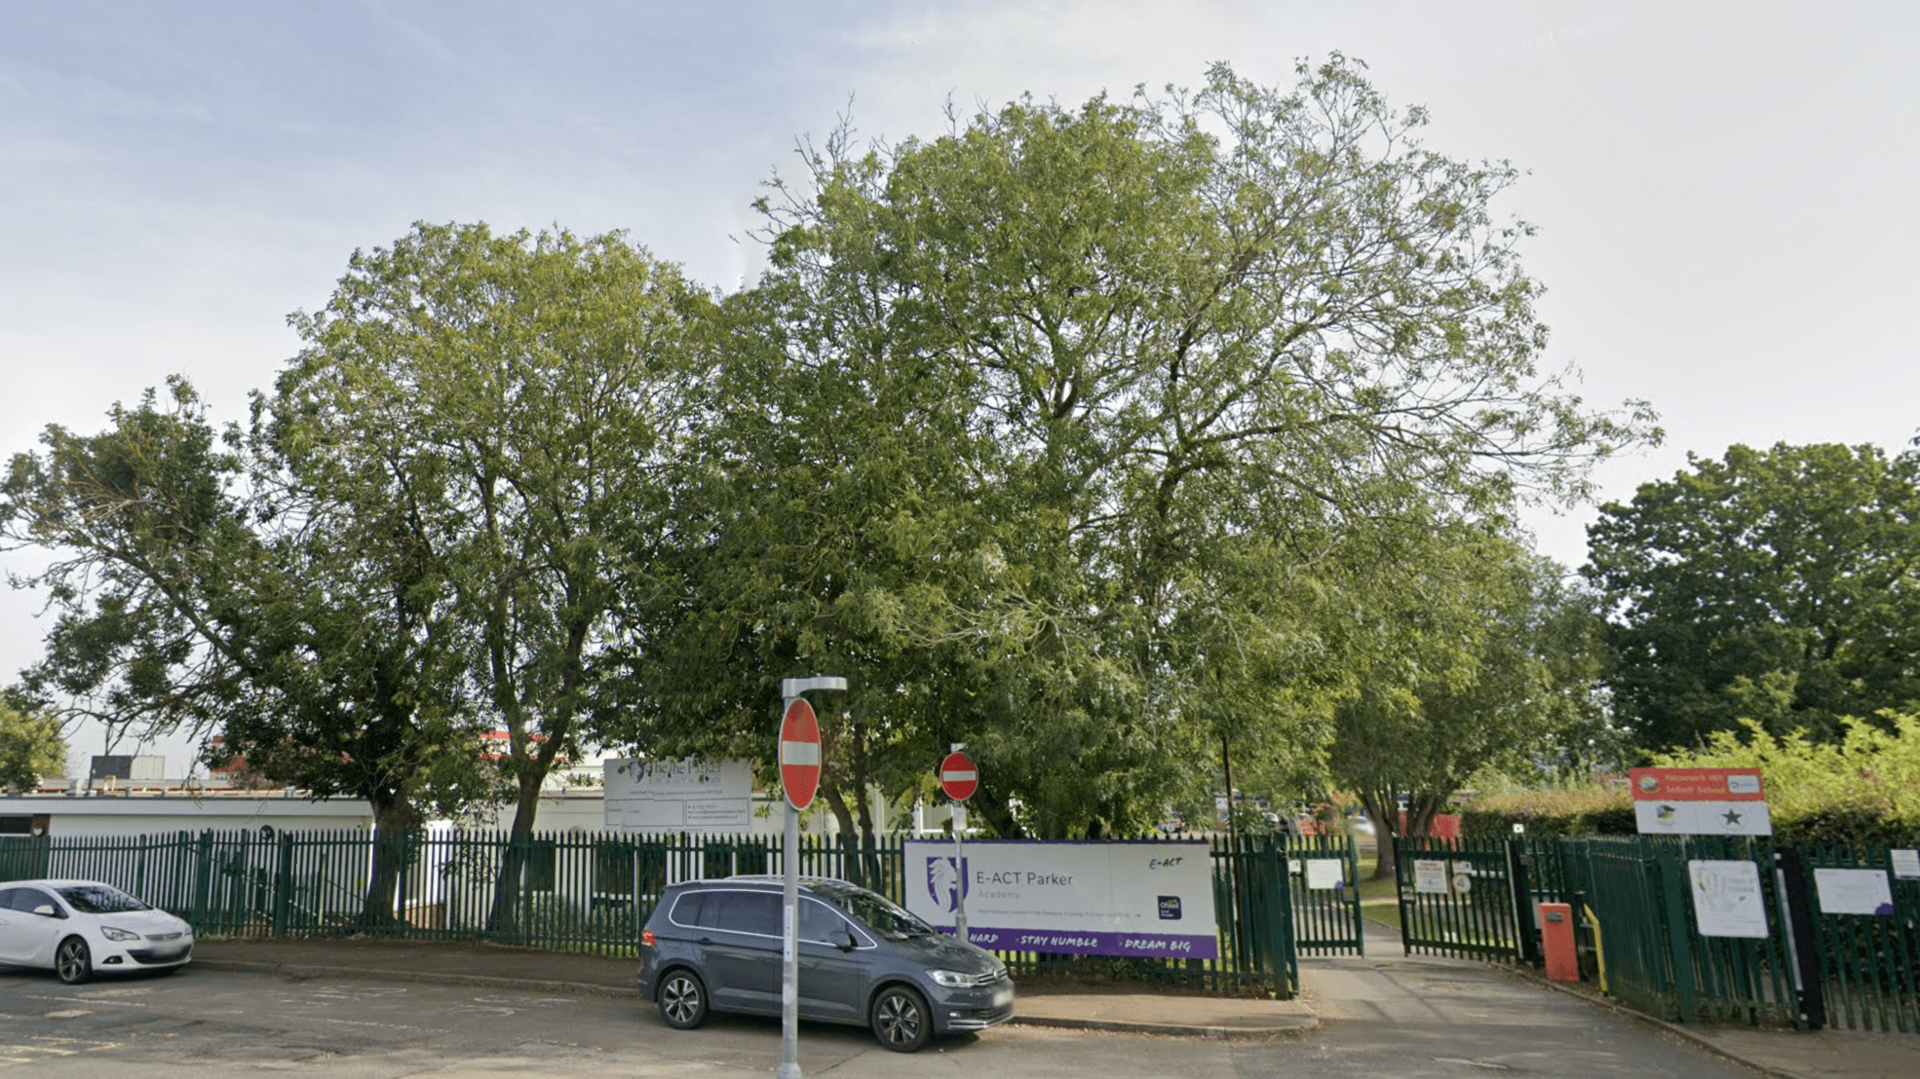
[(842, 939), (46, 910)]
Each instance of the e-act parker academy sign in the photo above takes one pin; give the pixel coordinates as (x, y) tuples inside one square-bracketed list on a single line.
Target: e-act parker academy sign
[(1077, 898), (1699, 801)]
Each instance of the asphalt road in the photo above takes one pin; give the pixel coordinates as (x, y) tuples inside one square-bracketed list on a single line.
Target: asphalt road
[(208, 1024)]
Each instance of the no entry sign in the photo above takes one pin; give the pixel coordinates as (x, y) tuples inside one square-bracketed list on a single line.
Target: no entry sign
[(958, 779), (799, 753)]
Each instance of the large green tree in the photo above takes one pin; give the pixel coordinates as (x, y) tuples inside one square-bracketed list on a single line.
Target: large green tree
[(31, 747), (198, 586), (1779, 585), (426, 531), (517, 399), (1483, 657), (1167, 355)]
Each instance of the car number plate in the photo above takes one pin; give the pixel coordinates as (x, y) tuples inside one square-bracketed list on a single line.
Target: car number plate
[(1002, 997)]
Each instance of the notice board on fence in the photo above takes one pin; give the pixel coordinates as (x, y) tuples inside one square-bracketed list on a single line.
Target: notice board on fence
[(665, 797), (1094, 898), (1727, 900), (1853, 891)]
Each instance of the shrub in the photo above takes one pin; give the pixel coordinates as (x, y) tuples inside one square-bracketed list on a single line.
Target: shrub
[(1585, 811), (1863, 789)]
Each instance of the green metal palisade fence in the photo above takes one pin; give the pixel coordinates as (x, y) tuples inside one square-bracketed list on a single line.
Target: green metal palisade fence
[(1635, 897), (1870, 966), (583, 892)]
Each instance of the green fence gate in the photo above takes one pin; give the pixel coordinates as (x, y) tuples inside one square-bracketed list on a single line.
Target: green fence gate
[(1323, 872), (1458, 898)]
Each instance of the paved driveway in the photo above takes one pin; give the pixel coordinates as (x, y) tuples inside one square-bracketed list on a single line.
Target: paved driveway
[(1423, 1018)]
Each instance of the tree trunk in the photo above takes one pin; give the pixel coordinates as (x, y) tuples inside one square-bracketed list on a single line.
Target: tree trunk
[(506, 887), (849, 831), (532, 761), (394, 819), (1383, 808), (997, 814)]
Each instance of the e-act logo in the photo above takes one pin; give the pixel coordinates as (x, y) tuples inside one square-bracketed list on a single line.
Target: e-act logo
[(946, 882)]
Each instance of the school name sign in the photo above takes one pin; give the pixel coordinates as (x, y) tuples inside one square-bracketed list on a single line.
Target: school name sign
[(1699, 801), (1095, 898)]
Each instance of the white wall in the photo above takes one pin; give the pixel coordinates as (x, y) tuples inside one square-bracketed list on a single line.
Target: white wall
[(147, 815)]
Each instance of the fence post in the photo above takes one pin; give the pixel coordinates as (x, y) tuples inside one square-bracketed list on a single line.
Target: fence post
[(1353, 876), (1672, 878), (1401, 852), (283, 885), (1283, 952), (202, 878), (1529, 949), (1790, 873)]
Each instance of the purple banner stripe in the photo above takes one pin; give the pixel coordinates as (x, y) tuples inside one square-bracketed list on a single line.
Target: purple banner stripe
[(1090, 942)]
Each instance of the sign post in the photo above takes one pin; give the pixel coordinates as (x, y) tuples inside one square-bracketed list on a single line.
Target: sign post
[(800, 780), (958, 780)]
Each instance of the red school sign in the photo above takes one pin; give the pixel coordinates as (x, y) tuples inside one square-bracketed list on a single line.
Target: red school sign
[(1697, 785)]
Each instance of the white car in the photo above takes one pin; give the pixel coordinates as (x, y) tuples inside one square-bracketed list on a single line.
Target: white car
[(80, 927)]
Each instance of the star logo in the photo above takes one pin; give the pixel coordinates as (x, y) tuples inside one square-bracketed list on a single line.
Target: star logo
[(1732, 816)]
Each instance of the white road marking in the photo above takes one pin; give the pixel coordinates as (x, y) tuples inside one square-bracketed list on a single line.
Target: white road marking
[(39, 1049)]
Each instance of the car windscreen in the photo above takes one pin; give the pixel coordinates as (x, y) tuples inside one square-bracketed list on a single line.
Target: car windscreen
[(881, 915), (99, 899)]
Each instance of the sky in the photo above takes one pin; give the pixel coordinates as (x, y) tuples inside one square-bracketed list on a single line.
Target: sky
[(1725, 192)]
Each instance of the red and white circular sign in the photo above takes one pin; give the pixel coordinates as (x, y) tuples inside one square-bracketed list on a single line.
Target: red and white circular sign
[(800, 754), (958, 778)]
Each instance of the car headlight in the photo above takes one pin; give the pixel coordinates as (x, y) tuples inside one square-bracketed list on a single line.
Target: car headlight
[(111, 933), (952, 979)]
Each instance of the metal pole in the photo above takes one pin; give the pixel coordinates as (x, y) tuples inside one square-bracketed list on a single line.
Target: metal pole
[(790, 953), (792, 689), (959, 874)]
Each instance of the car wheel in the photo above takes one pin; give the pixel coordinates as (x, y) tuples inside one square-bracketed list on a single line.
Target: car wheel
[(901, 1020), (683, 1000), (72, 962)]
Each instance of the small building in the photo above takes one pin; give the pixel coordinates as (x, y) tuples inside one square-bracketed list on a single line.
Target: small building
[(166, 811)]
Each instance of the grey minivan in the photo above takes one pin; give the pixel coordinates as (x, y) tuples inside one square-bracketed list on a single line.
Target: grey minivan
[(715, 945)]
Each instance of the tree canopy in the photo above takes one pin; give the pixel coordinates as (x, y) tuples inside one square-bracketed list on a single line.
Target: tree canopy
[(511, 403), (1779, 585), (1046, 429), (1108, 440), (31, 747), (1482, 658)]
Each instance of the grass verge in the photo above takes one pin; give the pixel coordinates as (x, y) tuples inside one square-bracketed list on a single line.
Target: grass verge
[(1379, 899)]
